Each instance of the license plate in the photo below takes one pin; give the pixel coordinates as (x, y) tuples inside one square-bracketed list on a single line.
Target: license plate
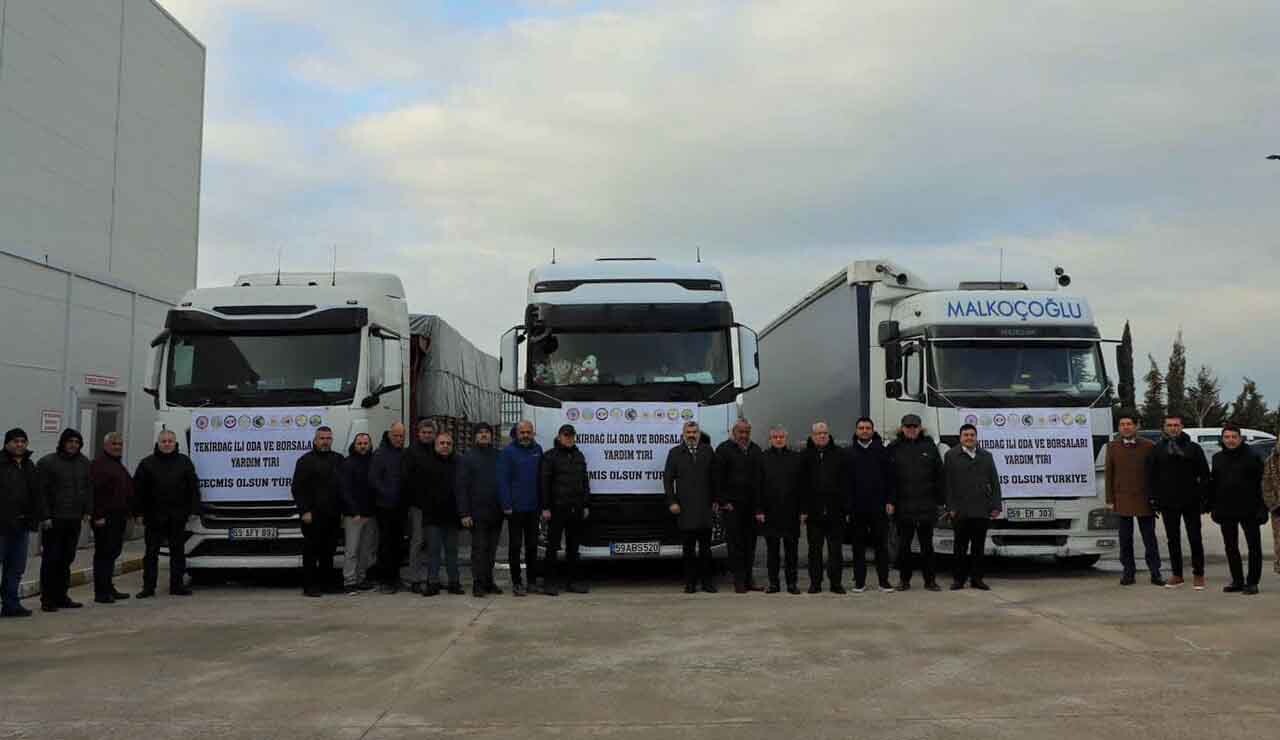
[(253, 533), (1030, 514), (635, 548)]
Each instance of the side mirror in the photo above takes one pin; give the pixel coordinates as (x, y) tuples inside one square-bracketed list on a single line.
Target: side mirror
[(893, 389), (893, 361), (509, 379), (887, 332), (748, 359), (155, 358)]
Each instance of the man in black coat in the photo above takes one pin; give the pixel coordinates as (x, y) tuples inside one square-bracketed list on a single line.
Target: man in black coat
[(64, 478), (778, 509), (112, 501), (22, 510), (317, 490), (564, 492), (167, 493), (439, 503), (1236, 485), (823, 507), (481, 509), (973, 500), (871, 483), (738, 469), (690, 481), (1178, 476), (916, 499)]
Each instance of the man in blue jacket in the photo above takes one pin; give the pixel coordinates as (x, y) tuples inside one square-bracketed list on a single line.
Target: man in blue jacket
[(519, 470), (871, 481)]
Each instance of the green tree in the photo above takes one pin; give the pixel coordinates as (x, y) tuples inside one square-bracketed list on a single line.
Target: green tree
[(1124, 365), (1153, 402), (1175, 378), (1204, 402), (1250, 408)]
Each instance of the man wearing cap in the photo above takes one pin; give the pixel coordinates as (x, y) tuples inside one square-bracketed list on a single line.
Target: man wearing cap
[(64, 480), (565, 493), (22, 510), (479, 507), (917, 498)]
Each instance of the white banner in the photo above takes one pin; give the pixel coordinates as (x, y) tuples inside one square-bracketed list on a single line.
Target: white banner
[(626, 444), (249, 454), (1039, 453)]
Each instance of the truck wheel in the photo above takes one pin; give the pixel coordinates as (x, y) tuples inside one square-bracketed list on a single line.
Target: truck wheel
[(1081, 562)]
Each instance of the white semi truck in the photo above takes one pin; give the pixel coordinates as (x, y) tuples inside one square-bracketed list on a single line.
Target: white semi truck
[(1015, 357), (628, 350), (245, 373)]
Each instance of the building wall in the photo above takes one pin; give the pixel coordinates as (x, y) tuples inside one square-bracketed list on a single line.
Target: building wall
[(101, 110)]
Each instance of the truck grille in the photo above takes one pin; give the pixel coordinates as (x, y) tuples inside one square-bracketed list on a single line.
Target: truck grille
[(248, 514)]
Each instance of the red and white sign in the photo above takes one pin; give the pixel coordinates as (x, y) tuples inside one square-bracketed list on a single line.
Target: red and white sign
[(50, 421), (97, 380)]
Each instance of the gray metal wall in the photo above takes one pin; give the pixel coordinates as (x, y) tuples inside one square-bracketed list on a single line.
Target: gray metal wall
[(101, 109), (809, 371)]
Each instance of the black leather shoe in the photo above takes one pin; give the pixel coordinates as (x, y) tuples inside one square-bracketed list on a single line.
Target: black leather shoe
[(313, 593), (838, 589), (146, 593), (980, 584), (69, 604), (493, 589), (184, 591), (932, 586), (107, 599), (957, 586), (904, 585), (1127, 580), (709, 589), (120, 595), (815, 588), (456, 589), (50, 608), (478, 592), (691, 588), (1233, 588), (793, 589), (577, 588), (1250, 591), (773, 589), (15, 612)]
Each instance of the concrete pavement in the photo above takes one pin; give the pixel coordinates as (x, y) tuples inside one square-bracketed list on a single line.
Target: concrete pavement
[(1049, 653)]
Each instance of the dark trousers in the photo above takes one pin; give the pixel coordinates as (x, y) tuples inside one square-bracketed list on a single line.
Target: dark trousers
[(108, 542), (566, 524), (923, 532), (13, 563), (57, 550), (870, 529), (172, 532), (1253, 539), (319, 543), (830, 534), (697, 556), (1150, 545), (740, 537), (522, 534), (442, 545), (791, 546), (1173, 521), (484, 549), (391, 523), (971, 542)]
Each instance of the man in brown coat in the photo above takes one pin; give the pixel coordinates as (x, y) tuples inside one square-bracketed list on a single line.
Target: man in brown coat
[(1127, 496), (1271, 497)]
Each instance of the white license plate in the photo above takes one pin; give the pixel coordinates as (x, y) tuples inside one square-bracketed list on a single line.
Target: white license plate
[(253, 533), (1031, 514), (636, 548)]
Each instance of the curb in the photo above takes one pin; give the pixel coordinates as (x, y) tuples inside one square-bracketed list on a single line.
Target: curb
[(81, 576)]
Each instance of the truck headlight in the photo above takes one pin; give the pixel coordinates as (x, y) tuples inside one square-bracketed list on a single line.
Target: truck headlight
[(1103, 519)]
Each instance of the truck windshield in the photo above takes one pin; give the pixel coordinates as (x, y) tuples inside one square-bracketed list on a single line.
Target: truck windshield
[(279, 370), (1010, 369), (696, 361)]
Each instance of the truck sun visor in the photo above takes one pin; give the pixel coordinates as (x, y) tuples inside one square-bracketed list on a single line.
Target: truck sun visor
[(190, 321), (633, 316)]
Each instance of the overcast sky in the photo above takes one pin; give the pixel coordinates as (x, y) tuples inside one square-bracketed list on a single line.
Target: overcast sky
[(457, 143)]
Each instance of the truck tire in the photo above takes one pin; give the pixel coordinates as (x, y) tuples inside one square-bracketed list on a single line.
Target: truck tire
[(1081, 562)]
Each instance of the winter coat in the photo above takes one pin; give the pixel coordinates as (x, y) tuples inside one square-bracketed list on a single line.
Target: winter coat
[(112, 487), (1236, 487), (438, 497), (384, 475), (917, 479), (65, 484), (166, 487), (565, 481), (317, 484), (413, 464), (477, 486), (781, 483), (824, 496), (871, 477), (1271, 480), (972, 484), (738, 471), (22, 503), (1126, 475), (519, 477), (1178, 475), (357, 493), (690, 479)]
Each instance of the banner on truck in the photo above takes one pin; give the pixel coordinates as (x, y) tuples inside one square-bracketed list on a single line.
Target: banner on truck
[(249, 454), (1039, 453), (626, 444)]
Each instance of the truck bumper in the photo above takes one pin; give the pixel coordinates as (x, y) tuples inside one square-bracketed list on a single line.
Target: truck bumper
[(1101, 542), (665, 552)]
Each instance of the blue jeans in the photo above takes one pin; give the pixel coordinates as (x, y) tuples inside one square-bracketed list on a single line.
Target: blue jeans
[(13, 563), (442, 542), (1151, 546)]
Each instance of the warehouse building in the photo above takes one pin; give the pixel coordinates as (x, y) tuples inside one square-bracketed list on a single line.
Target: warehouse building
[(101, 122)]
